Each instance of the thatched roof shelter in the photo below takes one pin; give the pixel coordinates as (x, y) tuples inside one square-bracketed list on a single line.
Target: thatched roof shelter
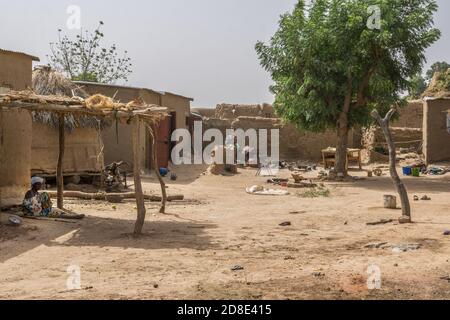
[(97, 106)]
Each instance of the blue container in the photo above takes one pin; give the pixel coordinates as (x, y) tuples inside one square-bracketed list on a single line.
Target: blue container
[(407, 171), (163, 172)]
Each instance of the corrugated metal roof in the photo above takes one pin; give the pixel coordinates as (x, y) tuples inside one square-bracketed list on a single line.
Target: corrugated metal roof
[(20, 53)]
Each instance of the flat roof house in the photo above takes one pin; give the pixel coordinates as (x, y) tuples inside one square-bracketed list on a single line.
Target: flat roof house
[(116, 138), (436, 132)]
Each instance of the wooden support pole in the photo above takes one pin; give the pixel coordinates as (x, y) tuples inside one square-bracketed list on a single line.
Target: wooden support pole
[(1, 152), (140, 204), (401, 189), (59, 170), (154, 135)]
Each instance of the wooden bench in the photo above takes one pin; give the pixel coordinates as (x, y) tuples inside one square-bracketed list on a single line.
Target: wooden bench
[(329, 157)]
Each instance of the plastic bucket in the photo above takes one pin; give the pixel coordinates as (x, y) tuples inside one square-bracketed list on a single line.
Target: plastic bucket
[(416, 172), (407, 171)]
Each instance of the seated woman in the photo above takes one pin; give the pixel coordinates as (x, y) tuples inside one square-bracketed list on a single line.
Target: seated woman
[(39, 204)]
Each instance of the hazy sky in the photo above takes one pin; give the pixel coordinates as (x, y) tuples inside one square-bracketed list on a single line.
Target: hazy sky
[(200, 48)]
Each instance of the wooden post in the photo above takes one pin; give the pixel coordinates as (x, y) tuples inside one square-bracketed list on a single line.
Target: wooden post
[(153, 130), (401, 189), (59, 170), (1, 150), (141, 212)]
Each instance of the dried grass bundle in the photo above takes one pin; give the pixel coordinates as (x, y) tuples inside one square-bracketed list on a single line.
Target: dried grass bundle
[(439, 86), (49, 82)]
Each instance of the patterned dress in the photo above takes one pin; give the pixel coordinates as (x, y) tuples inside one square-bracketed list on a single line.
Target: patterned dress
[(38, 205)]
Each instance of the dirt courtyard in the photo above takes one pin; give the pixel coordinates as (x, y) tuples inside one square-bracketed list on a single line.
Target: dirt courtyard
[(325, 252)]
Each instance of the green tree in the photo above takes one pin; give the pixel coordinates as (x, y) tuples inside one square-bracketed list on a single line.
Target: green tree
[(417, 87), (85, 59), (331, 64), (437, 67)]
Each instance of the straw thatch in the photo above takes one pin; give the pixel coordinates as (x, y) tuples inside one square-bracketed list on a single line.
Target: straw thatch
[(439, 86), (49, 82), (79, 107)]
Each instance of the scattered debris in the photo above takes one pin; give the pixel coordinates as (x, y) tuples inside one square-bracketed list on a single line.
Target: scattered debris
[(318, 274), (406, 247), (376, 245), (297, 212), (285, 224), (436, 171), (382, 221), (378, 172), (260, 190), (301, 185), (237, 268), (298, 177), (15, 220), (289, 258), (277, 181), (416, 198), (425, 198)]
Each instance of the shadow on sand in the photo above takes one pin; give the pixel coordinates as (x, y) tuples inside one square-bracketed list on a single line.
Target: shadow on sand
[(104, 232)]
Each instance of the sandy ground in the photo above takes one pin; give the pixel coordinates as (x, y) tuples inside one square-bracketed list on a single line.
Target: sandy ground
[(189, 253)]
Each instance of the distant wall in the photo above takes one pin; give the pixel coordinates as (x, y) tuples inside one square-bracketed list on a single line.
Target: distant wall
[(234, 111), (410, 116), (82, 150), (15, 149), (294, 144), (436, 137), (205, 112), (373, 138)]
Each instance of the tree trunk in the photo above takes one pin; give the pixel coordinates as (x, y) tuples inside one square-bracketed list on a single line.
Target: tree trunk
[(401, 189), (141, 212), (342, 145), (1, 150), (154, 135), (59, 170)]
